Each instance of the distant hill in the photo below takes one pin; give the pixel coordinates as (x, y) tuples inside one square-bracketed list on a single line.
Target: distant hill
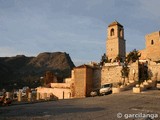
[(21, 71)]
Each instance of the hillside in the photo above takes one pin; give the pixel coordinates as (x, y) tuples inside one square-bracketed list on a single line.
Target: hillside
[(20, 70)]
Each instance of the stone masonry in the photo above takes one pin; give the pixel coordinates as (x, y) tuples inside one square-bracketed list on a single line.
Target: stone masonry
[(152, 50), (83, 79), (115, 44), (111, 74)]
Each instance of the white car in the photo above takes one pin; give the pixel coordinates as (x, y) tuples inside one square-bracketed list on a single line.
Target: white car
[(23, 93), (158, 85), (105, 89), (95, 92), (1, 94)]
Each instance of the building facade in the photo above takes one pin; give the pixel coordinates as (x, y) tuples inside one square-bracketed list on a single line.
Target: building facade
[(83, 80)]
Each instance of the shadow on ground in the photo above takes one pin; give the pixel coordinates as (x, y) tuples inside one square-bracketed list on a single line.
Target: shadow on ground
[(33, 112)]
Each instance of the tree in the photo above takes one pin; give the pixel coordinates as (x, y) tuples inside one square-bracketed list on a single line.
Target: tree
[(49, 78), (133, 56), (118, 59), (125, 72), (104, 59)]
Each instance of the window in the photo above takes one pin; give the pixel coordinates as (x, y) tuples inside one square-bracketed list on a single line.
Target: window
[(112, 32), (152, 42)]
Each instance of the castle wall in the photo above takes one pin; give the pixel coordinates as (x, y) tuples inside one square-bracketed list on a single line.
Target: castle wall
[(143, 54), (153, 46), (154, 70), (111, 74)]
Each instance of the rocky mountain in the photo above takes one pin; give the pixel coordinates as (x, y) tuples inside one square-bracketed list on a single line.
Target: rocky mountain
[(26, 71)]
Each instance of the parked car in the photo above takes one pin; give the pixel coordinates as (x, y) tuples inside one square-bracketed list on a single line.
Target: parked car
[(1, 100), (158, 85), (106, 89), (1, 94), (7, 101), (103, 90), (95, 92), (4, 100), (23, 93)]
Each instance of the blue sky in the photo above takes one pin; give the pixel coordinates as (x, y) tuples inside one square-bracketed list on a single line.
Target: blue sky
[(77, 27)]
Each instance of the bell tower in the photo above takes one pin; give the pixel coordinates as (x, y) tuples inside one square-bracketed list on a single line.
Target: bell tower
[(115, 43)]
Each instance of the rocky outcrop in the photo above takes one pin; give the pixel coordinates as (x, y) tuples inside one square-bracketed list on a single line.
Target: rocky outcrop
[(21, 70)]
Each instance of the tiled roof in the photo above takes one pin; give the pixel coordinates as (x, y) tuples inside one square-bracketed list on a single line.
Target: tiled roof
[(115, 23)]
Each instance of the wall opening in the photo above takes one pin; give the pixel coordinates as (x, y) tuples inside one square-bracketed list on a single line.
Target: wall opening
[(112, 32), (152, 42)]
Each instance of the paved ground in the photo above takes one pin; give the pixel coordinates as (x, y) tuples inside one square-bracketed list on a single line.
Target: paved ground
[(125, 105)]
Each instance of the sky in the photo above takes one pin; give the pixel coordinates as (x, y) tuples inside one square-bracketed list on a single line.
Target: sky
[(77, 27)]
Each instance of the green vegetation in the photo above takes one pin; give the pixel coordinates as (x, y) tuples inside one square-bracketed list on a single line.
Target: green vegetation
[(125, 72), (104, 59), (118, 59), (133, 56)]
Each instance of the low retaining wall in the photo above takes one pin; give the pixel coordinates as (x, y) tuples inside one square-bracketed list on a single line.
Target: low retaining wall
[(58, 92)]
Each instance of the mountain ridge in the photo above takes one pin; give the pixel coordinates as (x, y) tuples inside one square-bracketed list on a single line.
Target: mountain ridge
[(21, 70)]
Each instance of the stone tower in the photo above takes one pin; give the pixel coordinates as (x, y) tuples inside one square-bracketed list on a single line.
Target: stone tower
[(115, 44)]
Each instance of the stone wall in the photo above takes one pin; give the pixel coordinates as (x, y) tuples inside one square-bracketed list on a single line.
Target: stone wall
[(152, 50), (143, 54), (134, 71), (61, 85), (83, 77), (154, 70), (79, 78), (89, 80), (115, 43), (153, 46), (60, 93), (111, 74), (97, 78)]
